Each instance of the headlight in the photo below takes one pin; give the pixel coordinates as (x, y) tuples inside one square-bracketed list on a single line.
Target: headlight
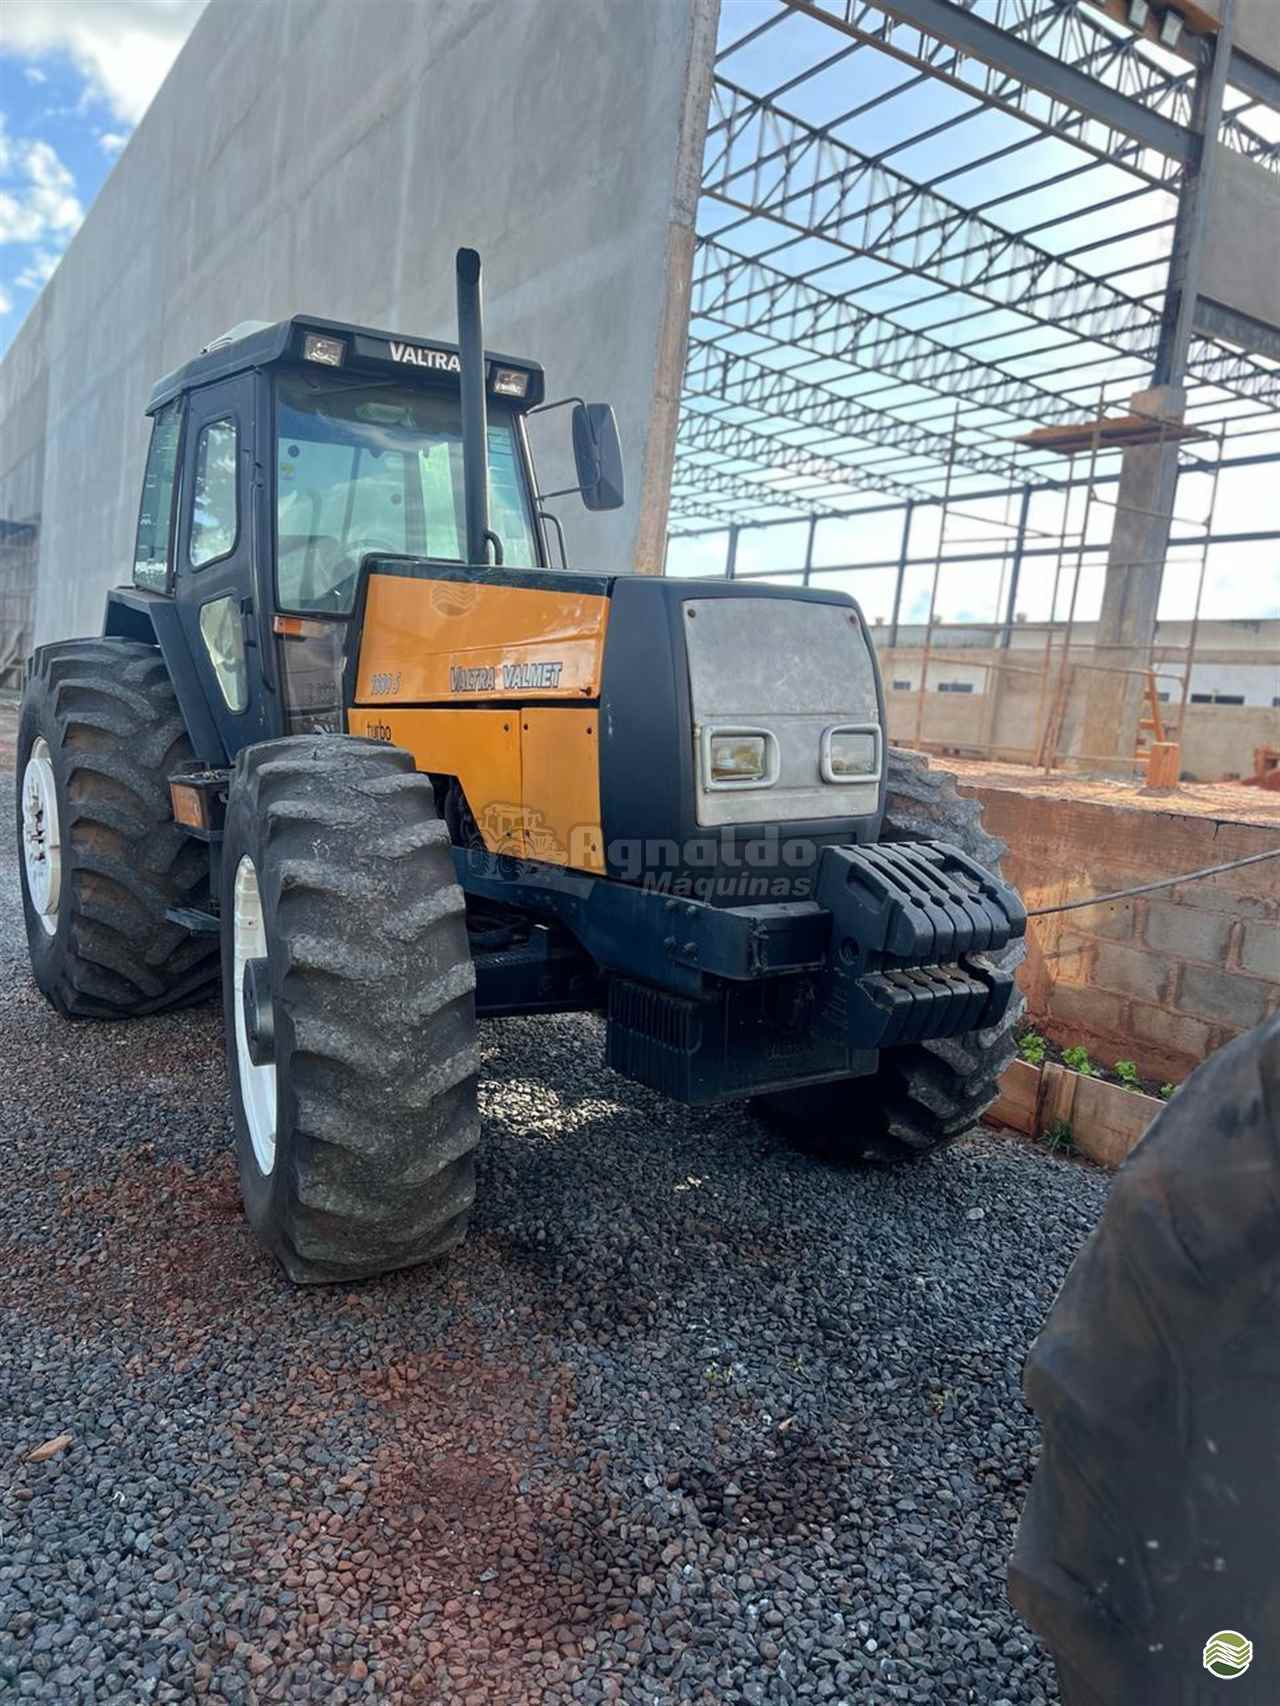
[(739, 758), (851, 755)]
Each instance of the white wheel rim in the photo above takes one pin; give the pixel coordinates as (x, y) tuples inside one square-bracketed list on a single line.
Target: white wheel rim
[(257, 1083), (42, 836)]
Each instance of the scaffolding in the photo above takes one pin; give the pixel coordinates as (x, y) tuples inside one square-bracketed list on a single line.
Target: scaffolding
[(1062, 662)]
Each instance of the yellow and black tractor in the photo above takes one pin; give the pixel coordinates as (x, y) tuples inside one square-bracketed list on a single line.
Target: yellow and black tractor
[(351, 746)]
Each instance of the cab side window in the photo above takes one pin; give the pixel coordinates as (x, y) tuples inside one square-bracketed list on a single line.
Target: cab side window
[(215, 509), (151, 564)]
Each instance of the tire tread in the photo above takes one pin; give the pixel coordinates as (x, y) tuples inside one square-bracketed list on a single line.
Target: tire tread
[(378, 1020), (120, 735)]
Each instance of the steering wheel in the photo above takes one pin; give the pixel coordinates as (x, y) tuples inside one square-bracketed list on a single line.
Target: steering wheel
[(343, 590)]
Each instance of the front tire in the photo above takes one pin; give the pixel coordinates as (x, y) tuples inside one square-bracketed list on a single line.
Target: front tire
[(925, 1095), (101, 858), (353, 1072)]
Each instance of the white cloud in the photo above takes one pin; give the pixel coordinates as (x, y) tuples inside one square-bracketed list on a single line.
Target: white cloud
[(122, 47), (37, 198), (39, 269), (6, 301), (112, 141), (33, 74)]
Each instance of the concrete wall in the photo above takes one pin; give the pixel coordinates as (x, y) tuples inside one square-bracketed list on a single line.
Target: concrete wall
[(1255, 27), (1162, 979), (329, 157), (24, 389), (1012, 698), (1242, 237)]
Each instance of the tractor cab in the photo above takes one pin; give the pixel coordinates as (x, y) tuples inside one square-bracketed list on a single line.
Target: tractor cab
[(282, 457)]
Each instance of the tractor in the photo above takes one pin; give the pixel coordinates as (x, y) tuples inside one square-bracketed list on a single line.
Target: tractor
[(353, 748)]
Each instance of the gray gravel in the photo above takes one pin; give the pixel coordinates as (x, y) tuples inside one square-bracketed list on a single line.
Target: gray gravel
[(690, 1417)]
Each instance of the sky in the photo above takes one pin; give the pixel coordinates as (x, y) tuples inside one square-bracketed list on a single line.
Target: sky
[(75, 78)]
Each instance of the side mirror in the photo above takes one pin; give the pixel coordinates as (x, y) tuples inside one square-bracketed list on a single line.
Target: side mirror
[(597, 454)]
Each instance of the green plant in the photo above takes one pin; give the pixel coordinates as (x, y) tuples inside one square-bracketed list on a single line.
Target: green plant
[(1031, 1048), (1166, 1091), (1058, 1136), (1077, 1058), (1127, 1073)]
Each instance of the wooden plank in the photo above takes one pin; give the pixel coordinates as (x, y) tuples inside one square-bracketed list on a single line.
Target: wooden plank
[(1107, 1121), (1113, 432), (1019, 1098), (1057, 1103), (1164, 764)]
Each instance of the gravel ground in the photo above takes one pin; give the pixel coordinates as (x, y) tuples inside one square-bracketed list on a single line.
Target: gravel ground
[(690, 1417)]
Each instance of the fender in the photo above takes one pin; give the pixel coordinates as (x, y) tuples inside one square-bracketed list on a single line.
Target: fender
[(133, 614)]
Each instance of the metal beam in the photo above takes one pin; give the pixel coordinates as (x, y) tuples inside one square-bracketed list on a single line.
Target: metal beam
[(747, 295), (768, 162), (1260, 82), (1015, 573), (1069, 34), (1187, 262), (900, 581), (742, 382), (736, 442), (734, 489), (1216, 320), (1006, 53)]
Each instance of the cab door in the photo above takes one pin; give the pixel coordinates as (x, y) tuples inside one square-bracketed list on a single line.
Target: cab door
[(215, 583)]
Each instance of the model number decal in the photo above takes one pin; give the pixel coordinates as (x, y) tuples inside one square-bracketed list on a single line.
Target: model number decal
[(385, 682)]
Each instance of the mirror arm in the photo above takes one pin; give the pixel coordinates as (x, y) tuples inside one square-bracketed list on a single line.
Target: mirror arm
[(546, 515), (561, 403), (567, 491)]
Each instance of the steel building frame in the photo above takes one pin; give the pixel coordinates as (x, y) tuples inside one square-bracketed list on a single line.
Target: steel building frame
[(881, 307)]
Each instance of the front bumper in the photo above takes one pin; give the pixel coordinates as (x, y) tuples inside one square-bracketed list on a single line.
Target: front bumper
[(709, 1003)]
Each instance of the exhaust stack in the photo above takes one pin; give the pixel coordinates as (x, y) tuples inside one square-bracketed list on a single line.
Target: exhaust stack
[(475, 420)]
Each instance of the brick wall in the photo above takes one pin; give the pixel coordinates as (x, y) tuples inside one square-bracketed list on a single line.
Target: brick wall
[(1162, 979)]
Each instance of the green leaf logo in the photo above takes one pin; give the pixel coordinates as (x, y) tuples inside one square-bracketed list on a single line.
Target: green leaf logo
[(1227, 1654)]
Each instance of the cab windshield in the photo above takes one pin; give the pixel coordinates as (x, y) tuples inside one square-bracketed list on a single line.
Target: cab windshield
[(378, 467)]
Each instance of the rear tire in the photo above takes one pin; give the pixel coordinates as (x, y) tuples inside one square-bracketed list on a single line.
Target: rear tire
[(102, 860), (925, 1095), (356, 1152), (1151, 1520)]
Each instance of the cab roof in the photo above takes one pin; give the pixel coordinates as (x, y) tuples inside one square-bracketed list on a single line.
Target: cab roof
[(364, 350)]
